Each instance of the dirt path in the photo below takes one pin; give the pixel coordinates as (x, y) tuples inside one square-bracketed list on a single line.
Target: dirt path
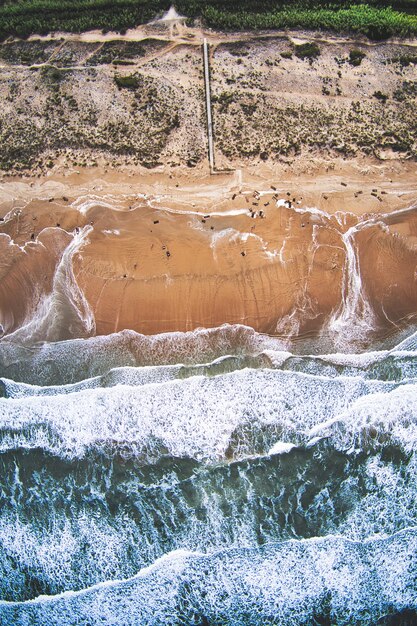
[(182, 34)]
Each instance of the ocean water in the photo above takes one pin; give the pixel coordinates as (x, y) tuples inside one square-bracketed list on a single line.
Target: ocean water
[(206, 478)]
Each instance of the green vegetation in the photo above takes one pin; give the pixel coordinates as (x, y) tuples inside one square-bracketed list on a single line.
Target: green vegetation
[(51, 74), (118, 51), (224, 100), (407, 90), (24, 17), (123, 62), (380, 96), (307, 51), (127, 82), (405, 60), (356, 57), (374, 22), (376, 19)]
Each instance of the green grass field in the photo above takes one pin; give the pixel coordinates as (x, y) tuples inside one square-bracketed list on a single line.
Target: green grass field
[(375, 19)]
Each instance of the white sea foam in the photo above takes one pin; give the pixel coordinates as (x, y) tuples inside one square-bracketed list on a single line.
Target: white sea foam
[(355, 319), (65, 312), (363, 360), (231, 235), (191, 212), (73, 360), (277, 357), (197, 417), (378, 417), (281, 447), (65, 362), (131, 376), (85, 203), (103, 536), (290, 583)]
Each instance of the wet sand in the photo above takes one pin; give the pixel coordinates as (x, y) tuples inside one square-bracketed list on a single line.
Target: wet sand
[(174, 251)]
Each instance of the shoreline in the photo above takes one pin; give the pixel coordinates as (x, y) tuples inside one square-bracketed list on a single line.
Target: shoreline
[(167, 251)]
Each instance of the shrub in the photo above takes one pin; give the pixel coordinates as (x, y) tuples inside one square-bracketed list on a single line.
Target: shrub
[(127, 82), (356, 56), (52, 74), (405, 60), (380, 96), (307, 51), (123, 62)]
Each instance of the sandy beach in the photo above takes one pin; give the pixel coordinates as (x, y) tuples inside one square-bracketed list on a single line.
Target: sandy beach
[(169, 251)]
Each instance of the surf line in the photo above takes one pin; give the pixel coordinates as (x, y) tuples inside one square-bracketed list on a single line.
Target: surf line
[(213, 169)]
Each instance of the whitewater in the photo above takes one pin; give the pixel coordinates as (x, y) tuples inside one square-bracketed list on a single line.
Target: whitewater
[(241, 484)]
